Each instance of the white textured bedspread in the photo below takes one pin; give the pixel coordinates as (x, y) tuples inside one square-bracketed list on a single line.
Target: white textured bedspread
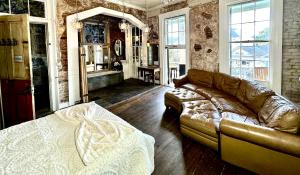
[(84, 139)]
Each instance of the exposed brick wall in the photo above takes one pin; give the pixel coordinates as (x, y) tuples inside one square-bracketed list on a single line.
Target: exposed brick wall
[(66, 8), (291, 50)]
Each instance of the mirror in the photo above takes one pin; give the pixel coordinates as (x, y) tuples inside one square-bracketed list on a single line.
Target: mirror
[(118, 47)]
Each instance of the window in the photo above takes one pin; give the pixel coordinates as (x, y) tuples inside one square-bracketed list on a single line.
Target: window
[(35, 8), (249, 40), (175, 40), (175, 30), (137, 44)]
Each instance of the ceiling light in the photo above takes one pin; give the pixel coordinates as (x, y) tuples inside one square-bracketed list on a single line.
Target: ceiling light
[(123, 25), (78, 25), (146, 28)]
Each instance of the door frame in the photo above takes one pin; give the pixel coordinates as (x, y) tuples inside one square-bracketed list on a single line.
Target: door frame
[(50, 21), (72, 46), (162, 44)]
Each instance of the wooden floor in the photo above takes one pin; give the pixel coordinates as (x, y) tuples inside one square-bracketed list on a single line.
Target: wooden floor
[(174, 153)]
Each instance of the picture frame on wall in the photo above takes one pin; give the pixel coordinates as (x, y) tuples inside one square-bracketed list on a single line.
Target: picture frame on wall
[(93, 33)]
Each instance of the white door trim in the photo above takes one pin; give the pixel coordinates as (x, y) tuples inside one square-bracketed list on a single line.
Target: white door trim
[(72, 46), (162, 45)]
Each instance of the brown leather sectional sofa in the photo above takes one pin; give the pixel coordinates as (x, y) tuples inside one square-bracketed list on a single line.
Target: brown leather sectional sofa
[(249, 124)]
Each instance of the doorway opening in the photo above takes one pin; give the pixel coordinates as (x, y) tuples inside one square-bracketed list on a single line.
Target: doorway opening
[(175, 47), (40, 77)]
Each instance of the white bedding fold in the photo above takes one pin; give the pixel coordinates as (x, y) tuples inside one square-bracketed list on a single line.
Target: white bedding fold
[(84, 139)]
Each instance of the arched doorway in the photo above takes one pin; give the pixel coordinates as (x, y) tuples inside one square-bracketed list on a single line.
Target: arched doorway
[(72, 45)]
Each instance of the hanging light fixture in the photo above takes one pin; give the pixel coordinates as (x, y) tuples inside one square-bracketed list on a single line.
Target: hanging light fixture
[(77, 24), (146, 28), (123, 25)]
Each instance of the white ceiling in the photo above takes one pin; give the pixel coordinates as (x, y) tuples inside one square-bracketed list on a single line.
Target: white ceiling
[(142, 3)]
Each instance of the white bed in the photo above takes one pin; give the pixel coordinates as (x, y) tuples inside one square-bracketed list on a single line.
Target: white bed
[(66, 142)]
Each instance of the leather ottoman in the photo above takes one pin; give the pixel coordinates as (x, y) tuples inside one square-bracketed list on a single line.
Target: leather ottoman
[(176, 97), (200, 120)]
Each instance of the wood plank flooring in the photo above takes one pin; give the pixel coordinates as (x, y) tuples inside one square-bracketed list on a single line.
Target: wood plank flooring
[(174, 153)]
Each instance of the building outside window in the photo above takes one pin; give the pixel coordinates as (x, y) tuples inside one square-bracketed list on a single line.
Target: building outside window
[(250, 40)]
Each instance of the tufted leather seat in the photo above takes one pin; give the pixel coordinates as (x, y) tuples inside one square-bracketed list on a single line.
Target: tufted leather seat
[(254, 127), (175, 98), (200, 120)]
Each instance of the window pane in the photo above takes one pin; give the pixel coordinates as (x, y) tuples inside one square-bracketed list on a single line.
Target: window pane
[(235, 32), (235, 51), (247, 70), (247, 51), (182, 24), (247, 31), (262, 12), (236, 15), (261, 70), (174, 38), (4, 6), (248, 12), (262, 30), (174, 25), (262, 51), (181, 38), (37, 8), (19, 6), (169, 25), (235, 68)]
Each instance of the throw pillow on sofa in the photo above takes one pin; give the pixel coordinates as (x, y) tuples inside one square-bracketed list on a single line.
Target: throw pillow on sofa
[(280, 114), (253, 94), (200, 77)]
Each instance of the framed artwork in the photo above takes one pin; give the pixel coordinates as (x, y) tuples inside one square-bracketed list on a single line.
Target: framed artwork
[(93, 33)]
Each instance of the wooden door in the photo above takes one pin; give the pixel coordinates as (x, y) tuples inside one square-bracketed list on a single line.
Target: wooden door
[(15, 69)]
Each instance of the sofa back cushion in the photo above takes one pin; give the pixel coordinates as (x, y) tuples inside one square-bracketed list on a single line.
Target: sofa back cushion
[(226, 83), (253, 94), (200, 77), (280, 114)]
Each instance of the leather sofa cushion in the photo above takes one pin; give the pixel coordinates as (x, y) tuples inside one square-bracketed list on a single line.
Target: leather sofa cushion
[(226, 83), (200, 77), (210, 92), (231, 104), (248, 119), (190, 86), (202, 116), (280, 114), (253, 94), (181, 95)]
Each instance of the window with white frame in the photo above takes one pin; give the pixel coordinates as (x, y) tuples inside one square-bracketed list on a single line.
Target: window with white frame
[(35, 8), (249, 40)]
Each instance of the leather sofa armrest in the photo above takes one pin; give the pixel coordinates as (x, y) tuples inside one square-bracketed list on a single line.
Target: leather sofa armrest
[(180, 81), (263, 136)]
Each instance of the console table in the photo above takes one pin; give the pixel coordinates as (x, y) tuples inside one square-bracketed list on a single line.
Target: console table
[(150, 69)]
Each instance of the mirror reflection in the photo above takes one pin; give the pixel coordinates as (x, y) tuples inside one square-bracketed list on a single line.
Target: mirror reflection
[(118, 47)]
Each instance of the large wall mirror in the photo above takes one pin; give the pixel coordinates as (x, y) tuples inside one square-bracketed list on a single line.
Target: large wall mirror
[(118, 47)]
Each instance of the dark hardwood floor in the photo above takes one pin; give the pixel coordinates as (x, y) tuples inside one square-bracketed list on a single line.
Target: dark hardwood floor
[(174, 153)]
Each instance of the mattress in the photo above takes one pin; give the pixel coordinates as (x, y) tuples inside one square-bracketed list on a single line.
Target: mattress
[(48, 146)]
